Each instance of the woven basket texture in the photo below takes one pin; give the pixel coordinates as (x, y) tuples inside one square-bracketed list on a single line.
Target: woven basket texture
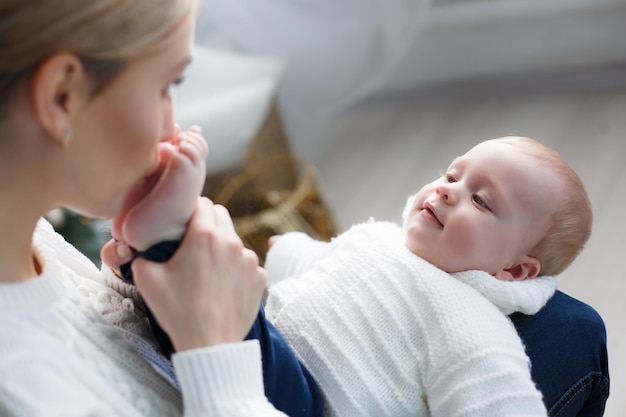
[(271, 191)]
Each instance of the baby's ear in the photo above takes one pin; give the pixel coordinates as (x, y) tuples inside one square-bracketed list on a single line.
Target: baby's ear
[(527, 267)]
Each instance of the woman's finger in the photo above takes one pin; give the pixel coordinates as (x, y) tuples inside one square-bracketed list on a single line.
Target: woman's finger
[(115, 253)]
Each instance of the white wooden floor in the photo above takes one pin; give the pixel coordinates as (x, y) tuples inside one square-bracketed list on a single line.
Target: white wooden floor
[(383, 152)]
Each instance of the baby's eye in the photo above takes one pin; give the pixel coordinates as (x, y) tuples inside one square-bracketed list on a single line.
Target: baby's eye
[(478, 200), (448, 177)]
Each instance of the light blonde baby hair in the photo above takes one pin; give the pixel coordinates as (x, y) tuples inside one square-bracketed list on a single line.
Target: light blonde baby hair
[(570, 224), (105, 34)]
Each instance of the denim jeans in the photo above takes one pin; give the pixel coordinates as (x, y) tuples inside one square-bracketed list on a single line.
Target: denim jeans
[(566, 343)]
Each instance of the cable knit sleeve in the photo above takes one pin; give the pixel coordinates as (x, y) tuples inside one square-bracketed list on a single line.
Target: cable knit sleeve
[(225, 380), (41, 386)]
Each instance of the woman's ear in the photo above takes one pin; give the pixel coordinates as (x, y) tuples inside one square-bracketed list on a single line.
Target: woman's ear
[(527, 267), (55, 86)]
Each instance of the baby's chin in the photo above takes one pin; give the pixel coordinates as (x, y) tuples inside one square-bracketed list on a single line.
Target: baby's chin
[(416, 250), (430, 258)]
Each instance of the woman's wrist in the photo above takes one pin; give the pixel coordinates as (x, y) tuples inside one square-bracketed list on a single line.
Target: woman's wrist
[(233, 369)]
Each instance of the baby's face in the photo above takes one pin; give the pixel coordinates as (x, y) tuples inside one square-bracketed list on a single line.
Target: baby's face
[(491, 207)]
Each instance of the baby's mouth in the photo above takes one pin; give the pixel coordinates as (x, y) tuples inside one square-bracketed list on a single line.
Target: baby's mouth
[(430, 214)]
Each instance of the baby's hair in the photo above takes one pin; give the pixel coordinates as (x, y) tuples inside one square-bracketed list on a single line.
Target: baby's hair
[(570, 224)]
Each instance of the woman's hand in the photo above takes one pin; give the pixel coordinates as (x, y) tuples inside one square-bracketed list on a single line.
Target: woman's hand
[(209, 292)]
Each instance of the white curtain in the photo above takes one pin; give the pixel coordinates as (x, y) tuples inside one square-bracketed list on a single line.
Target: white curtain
[(336, 53)]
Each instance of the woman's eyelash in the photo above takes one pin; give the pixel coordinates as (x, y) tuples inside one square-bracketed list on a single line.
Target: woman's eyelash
[(179, 81), (170, 88)]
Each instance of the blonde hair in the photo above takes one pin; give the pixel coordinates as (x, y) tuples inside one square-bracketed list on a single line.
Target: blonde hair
[(105, 34), (570, 224)]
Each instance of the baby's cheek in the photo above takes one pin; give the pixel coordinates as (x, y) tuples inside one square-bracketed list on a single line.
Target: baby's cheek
[(468, 249)]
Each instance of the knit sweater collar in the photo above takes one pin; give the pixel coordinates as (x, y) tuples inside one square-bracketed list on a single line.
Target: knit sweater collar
[(527, 296)]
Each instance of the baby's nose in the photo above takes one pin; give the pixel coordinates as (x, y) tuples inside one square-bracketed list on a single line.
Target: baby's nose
[(445, 193)]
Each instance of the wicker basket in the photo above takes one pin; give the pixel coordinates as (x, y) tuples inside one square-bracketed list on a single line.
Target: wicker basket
[(271, 191)]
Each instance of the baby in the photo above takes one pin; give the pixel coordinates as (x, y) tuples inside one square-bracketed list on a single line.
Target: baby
[(412, 320), (153, 221)]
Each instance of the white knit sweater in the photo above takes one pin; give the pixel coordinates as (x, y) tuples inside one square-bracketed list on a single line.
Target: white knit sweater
[(75, 342), (385, 333)]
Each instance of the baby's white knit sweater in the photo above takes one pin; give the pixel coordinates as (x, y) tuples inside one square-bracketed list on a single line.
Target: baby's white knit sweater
[(75, 342), (385, 333)]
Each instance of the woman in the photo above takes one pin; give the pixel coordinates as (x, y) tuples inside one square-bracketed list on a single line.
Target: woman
[(84, 102)]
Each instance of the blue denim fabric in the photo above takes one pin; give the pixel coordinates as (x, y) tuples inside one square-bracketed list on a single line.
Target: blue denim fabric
[(288, 384), (566, 343)]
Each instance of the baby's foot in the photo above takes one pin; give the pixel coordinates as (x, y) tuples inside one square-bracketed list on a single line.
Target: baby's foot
[(160, 208)]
